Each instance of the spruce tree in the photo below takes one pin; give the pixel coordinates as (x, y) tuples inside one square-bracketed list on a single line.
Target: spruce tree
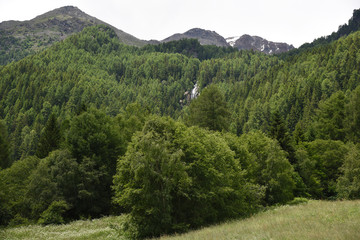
[(209, 110), (4, 147), (50, 138), (279, 131)]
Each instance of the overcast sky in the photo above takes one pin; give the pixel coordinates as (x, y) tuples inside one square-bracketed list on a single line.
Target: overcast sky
[(291, 21)]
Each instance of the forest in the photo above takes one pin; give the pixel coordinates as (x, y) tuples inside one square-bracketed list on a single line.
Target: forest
[(177, 136)]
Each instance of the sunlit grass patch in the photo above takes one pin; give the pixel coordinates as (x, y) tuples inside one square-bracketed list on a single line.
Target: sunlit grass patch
[(315, 220)]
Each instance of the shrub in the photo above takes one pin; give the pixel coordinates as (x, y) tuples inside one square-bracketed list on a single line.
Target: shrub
[(53, 215), (173, 178), (348, 184)]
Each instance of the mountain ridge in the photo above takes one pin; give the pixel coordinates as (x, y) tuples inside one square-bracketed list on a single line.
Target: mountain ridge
[(21, 38), (205, 37), (247, 42)]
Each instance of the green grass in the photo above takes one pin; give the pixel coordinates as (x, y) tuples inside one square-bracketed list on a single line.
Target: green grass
[(88, 229), (314, 220)]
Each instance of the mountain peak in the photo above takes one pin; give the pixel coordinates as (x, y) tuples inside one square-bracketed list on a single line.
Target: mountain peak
[(257, 43), (205, 37), (45, 29)]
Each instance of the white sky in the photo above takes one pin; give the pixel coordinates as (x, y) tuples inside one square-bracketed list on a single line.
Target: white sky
[(291, 21)]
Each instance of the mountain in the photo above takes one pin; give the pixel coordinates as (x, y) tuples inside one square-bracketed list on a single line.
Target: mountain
[(257, 43), (21, 38), (245, 42), (353, 25), (205, 37)]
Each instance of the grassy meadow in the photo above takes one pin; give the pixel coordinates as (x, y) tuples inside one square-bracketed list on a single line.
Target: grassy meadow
[(313, 220)]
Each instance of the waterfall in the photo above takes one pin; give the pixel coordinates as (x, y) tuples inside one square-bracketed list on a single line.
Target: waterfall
[(195, 91)]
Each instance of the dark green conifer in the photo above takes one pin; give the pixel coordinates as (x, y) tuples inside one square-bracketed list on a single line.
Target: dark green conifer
[(279, 132), (4, 147), (209, 110), (50, 138)]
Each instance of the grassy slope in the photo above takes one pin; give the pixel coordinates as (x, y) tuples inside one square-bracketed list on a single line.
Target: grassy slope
[(315, 220)]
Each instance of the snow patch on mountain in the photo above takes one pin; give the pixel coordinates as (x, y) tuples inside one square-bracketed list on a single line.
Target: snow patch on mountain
[(231, 40)]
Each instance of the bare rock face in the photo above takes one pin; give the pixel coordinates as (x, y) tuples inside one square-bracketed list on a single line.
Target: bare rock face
[(205, 37), (247, 42)]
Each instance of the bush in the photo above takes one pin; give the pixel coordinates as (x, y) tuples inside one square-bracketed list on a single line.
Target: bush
[(348, 184), (175, 178), (53, 215), (269, 167), (18, 220)]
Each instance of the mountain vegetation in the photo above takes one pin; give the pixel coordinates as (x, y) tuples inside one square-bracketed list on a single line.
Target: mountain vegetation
[(178, 135), (19, 39)]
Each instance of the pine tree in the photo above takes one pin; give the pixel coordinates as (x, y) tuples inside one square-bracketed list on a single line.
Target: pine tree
[(279, 132), (209, 110), (50, 138), (4, 147)]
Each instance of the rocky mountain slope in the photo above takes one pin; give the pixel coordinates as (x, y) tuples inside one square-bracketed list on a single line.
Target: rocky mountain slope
[(248, 42), (205, 37), (245, 42), (20, 38)]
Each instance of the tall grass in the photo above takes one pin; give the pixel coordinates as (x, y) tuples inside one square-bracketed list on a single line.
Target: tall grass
[(314, 220), (104, 228)]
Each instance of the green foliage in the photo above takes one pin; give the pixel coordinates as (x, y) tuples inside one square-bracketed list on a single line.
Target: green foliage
[(352, 120), (348, 184), (319, 165), (269, 167), (95, 135), (4, 146), (330, 118), (353, 25), (94, 140), (148, 176), (53, 215), (173, 178), (191, 48), (209, 110), (13, 185), (279, 131), (108, 99), (50, 138), (56, 177)]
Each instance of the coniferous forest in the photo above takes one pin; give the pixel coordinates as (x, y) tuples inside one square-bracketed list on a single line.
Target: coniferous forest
[(177, 135)]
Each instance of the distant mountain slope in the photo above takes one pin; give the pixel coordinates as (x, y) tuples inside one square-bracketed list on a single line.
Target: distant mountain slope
[(353, 25), (205, 37), (20, 38), (245, 42), (248, 42)]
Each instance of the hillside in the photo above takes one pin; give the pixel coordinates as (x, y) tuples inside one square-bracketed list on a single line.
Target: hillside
[(177, 136), (317, 220), (344, 30), (19, 39)]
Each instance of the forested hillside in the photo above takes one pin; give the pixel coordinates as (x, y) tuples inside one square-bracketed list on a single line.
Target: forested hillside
[(19, 39), (178, 135)]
